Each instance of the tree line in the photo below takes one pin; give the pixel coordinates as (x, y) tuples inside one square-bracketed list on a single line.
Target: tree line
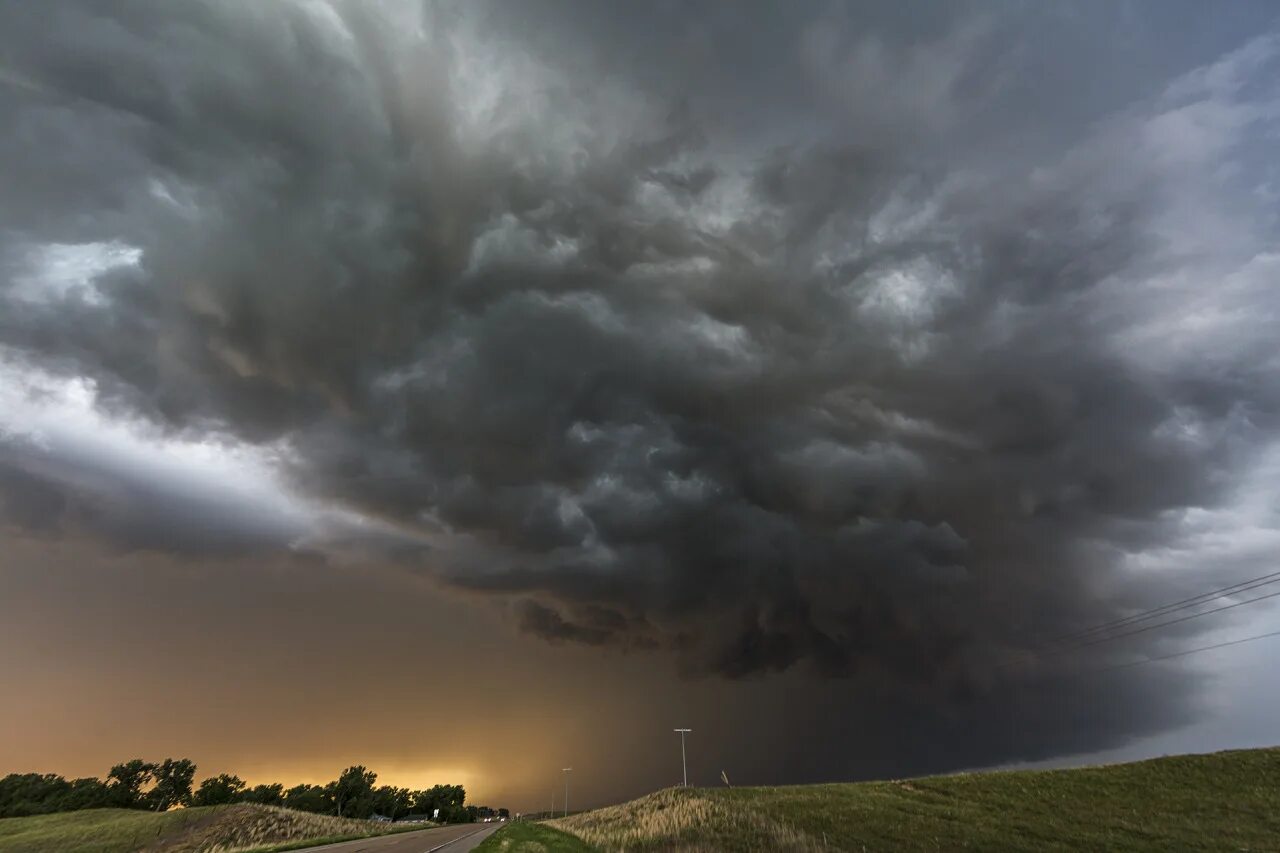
[(167, 784)]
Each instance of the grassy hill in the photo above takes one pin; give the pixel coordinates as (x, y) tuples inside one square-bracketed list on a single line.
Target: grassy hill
[(227, 829), (1225, 801)]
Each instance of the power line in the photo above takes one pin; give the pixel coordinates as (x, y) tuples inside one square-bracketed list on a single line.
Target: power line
[(1171, 622), (1054, 652), (1186, 652), (1165, 609)]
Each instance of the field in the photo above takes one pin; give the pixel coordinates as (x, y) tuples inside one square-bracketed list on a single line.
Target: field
[(227, 829), (1225, 801)]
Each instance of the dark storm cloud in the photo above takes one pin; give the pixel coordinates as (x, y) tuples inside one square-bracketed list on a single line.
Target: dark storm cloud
[(807, 367)]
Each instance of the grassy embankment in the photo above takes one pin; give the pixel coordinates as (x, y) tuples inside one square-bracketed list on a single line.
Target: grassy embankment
[(1225, 801), (529, 837), (228, 829)]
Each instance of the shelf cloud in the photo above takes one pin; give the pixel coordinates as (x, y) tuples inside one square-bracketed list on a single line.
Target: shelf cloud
[(854, 350)]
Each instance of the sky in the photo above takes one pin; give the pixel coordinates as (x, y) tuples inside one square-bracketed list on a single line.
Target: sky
[(473, 389)]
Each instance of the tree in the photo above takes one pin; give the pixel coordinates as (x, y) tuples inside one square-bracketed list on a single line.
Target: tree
[(392, 801), (309, 798), (219, 790), (23, 794), (353, 792), (163, 785), (448, 799), (267, 795), (504, 814), (423, 802), (457, 795), (87, 793), (173, 784), (127, 782)]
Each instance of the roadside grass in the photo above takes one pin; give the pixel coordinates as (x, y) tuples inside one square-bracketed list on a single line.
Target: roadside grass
[(319, 841), (1224, 801), (92, 830), (241, 828), (528, 837)]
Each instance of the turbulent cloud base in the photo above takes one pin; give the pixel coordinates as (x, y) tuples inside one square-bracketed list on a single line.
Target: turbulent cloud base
[(851, 366)]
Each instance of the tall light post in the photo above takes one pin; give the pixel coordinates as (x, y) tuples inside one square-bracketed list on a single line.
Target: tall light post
[(684, 764), (566, 790)]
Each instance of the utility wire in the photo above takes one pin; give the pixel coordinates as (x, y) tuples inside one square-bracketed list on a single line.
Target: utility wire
[(1165, 609), (1186, 652), (1186, 618), (1054, 652)]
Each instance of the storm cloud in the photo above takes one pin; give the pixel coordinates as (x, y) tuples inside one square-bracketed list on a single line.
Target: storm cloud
[(852, 346)]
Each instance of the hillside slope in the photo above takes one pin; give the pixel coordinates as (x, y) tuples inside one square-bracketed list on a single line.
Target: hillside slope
[(223, 828), (1224, 801)]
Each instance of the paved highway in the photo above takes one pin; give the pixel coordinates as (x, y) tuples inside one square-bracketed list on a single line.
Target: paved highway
[(447, 839)]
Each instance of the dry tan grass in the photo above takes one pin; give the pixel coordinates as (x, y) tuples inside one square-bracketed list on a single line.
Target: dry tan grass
[(681, 819), (249, 827)]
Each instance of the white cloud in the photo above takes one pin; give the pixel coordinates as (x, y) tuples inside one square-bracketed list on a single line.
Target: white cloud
[(60, 415), (57, 271)]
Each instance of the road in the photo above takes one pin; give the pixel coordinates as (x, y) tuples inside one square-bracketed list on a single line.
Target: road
[(447, 839)]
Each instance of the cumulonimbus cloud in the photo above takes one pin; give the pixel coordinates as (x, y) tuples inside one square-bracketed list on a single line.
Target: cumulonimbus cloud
[(844, 390)]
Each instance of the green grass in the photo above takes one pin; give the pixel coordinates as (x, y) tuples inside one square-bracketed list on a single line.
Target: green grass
[(242, 828), (1225, 801), (92, 830), (528, 837)]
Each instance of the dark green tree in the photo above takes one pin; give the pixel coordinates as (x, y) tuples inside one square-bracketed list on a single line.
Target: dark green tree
[(423, 803), (352, 792), (219, 790), (309, 798), (267, 795), (173, 784), (127, 781), (392, 801), (23, 794), (141, 784), (87, 793), (449, 799)]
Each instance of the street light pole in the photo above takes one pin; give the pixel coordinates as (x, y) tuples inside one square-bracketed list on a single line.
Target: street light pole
[(684, 764), (566, 790)]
